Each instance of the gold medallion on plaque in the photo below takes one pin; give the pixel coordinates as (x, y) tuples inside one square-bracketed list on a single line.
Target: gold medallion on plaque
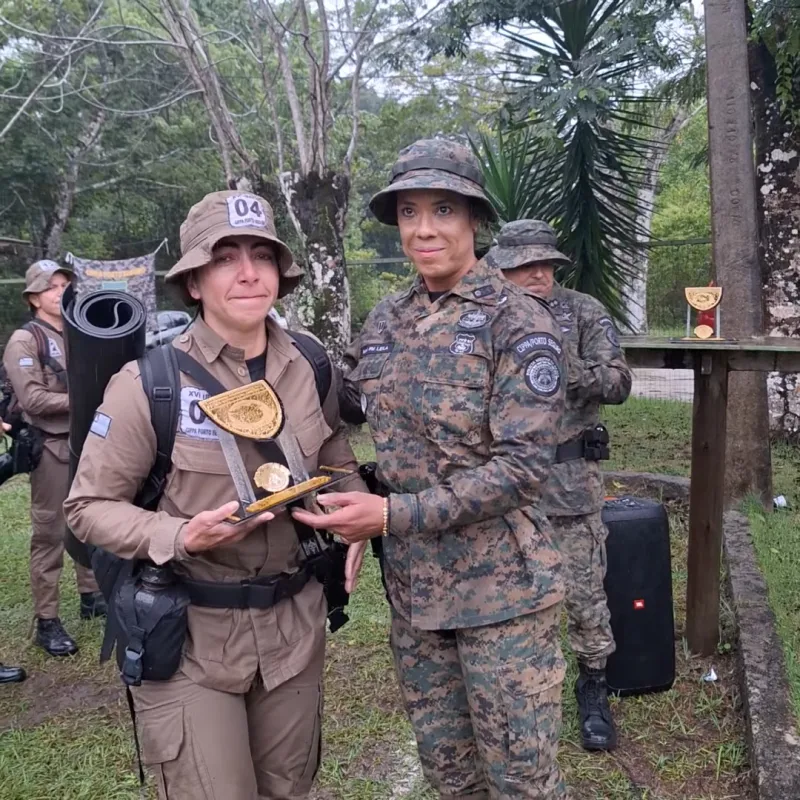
[(252, 411), (703, 298), (272, 477)]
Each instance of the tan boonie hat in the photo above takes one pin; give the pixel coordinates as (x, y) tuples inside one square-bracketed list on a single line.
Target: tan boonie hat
[(524, 242), (432, 164), (230, 213), (39, 275)]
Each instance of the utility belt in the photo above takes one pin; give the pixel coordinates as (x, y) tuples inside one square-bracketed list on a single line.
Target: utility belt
[(591, 445), (148, 604)]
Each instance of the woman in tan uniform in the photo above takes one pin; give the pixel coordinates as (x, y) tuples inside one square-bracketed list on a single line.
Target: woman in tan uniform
[(240, 719), (39, 383)]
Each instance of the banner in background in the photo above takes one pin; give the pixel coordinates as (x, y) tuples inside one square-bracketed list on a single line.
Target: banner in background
[(137, 276)]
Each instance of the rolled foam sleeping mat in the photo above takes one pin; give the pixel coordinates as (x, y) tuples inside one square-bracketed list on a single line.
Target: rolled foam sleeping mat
[(103, 331)]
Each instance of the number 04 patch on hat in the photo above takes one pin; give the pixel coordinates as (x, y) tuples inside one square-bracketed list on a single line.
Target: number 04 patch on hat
[(246, 211)]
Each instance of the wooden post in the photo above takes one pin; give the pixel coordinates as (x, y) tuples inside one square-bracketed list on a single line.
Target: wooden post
[(734, 226), (706, 501)]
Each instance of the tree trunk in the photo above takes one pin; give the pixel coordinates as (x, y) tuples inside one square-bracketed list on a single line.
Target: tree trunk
[(65, 194), (317, 205), (778, 176), (637, 298), (734, 225)]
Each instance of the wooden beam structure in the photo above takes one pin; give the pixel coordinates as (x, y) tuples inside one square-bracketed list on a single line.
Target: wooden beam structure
[(711, 361)]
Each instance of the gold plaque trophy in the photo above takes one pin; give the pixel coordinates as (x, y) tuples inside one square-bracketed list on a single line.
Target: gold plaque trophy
[(255, 412), (703, 299)]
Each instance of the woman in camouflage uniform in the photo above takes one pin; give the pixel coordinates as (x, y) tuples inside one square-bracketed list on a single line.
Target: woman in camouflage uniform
[(460, 379)]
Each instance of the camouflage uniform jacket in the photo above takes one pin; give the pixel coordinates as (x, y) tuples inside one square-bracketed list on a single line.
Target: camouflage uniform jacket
[(463, 398), (597, 374)]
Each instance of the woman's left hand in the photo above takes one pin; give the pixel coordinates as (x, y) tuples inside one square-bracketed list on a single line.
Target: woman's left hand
[(358, 516)]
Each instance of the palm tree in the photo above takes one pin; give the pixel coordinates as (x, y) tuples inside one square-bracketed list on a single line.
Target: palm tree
[(578, 135)]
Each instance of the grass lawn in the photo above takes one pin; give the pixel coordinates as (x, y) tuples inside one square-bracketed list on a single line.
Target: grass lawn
[(653, 436), (65, 732)]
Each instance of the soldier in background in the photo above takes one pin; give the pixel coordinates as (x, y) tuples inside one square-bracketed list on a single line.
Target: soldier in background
[(526, 252), (39, 382), (460, 379)]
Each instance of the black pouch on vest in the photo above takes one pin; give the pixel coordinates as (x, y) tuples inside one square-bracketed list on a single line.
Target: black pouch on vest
[(150, 618)]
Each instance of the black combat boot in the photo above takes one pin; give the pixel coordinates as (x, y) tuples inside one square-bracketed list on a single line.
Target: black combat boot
[(93, 604), (53, 639), (597, 724), (11, 674)]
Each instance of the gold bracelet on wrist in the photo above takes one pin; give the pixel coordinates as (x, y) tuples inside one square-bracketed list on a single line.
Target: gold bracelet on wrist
[(385, 530)]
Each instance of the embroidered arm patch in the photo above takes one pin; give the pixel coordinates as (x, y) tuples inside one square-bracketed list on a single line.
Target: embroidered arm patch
[(543, 375), (26, 362), (100, 425), (529, 344)]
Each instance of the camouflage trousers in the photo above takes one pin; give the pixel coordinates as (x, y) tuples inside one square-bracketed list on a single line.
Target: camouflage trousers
[(485, 705), (582, 543)]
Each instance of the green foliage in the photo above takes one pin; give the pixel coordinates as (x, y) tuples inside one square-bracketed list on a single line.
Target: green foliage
[(579, 164), (776, 23), (682, 211)]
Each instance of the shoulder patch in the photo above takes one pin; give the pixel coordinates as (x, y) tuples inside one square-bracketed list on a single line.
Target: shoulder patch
[(471, 320), (503, 299), (543, 375), (533, 342), (193, 421), (55, 350), (101, 424), (376, 349), (484, 291), (27, 361), (611, 331), (463, 344)]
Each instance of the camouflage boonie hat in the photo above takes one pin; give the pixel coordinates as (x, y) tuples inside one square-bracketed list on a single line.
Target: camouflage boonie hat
[(432, 164), (523, 242), (39, 274), (230, 213)]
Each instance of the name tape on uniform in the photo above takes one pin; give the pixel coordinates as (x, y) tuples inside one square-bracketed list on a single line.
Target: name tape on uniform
[(536, 341), (484, 291), (55, 350), (193, 422), (376, 349), (101, 424), (246, 211)]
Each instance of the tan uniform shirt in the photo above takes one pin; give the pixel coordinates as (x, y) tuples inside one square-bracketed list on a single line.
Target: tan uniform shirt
[(41, 396), (225, 648)]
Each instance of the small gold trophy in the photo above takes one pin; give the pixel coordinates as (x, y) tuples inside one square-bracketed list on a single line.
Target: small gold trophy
[(255, 412), (704, 300)]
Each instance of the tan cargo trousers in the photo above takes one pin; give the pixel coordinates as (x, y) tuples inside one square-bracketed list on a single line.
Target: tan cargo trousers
[(203, 744), (49, 489)]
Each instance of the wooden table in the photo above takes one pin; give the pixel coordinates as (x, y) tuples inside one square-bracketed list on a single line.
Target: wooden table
[(710, 361)]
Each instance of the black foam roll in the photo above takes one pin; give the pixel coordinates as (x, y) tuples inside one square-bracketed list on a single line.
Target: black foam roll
[(103, 331)]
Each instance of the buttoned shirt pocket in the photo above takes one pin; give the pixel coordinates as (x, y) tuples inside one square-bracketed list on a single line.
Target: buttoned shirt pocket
[(199, 479), (455, 398), (368, 374), (311, 434)]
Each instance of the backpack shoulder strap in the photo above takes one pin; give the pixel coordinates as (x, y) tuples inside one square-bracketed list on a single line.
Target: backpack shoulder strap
[(317, 356), (43, 346), (162, 385)]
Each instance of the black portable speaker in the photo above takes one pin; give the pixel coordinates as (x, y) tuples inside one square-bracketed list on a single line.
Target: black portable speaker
[(639, 589)]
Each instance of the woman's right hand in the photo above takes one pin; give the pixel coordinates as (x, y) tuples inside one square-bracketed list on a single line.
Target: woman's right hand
[(209, 529)]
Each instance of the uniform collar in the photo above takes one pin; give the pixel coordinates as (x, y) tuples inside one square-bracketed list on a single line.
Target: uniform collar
[(482, 284), (213, 346)]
